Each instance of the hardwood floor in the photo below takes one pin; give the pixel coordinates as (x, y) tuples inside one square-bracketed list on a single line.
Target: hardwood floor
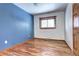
[(36, 47)]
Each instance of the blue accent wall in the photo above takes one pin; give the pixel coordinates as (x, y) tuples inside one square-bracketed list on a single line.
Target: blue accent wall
[(16, 25)]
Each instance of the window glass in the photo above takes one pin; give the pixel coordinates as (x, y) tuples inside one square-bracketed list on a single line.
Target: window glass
[(44, 23), (51, 23)]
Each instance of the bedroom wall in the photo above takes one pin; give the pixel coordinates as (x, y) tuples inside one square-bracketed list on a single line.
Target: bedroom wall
[(16, 26), (69, 26), (57, 33)]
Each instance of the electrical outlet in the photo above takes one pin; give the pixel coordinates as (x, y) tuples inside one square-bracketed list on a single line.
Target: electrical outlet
[(5, 41)]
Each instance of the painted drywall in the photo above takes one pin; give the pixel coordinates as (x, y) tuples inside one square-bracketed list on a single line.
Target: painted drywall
[(16, 26), (57, 33), (41, 7), (68, 26)]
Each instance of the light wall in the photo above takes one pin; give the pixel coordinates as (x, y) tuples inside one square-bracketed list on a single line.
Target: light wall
[(69, 26), (57, 33)]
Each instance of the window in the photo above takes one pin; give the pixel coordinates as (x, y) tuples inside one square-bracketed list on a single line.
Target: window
[(76, 22), (48, 22)]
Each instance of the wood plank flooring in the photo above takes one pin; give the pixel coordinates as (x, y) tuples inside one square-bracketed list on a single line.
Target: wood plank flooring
[(39, 47)]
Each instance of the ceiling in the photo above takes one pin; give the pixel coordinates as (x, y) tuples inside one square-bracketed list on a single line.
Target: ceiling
[(37, 8)]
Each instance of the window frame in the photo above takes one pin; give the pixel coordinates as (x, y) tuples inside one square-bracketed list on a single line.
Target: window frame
[(47, 18)]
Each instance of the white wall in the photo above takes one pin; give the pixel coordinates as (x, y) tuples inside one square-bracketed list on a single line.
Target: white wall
[(68, 25), (57, 33)]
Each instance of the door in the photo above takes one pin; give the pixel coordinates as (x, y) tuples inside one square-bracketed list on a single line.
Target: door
[(76, 29)]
